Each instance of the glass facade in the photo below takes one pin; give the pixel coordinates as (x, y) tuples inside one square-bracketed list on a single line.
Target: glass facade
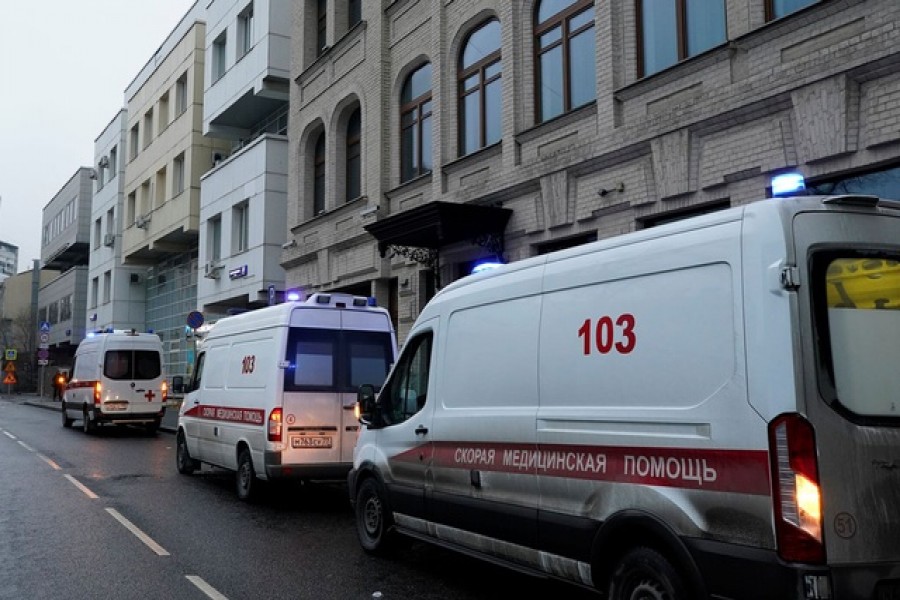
[(171, 295)]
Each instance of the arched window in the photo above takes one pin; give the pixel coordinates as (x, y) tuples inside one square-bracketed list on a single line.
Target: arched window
[(480, 98), (319, 175), (415, 124), (566, 65), (353, 166)]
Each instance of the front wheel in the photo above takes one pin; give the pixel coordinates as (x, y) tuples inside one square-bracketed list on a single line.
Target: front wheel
[(66, 420), (374, 521), (245, 478), (183, 461), (645, 574)]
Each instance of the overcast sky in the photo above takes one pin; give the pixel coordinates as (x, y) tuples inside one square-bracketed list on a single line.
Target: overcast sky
[(64, 67)]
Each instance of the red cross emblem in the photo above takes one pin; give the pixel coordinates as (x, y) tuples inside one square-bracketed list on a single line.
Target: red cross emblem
[(149, 395)]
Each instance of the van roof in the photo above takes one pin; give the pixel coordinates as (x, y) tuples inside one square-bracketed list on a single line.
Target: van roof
[(785, 208)]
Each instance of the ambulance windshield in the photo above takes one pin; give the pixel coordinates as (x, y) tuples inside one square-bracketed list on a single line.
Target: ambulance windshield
[(860, 329)]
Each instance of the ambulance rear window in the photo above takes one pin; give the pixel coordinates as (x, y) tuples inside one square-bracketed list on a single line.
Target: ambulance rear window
[(857, 300), (132, 364), (333, 360)]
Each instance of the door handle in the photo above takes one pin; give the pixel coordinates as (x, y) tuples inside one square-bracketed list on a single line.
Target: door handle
[(421, 430)]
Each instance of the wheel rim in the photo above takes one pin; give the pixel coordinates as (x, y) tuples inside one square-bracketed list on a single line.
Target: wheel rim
[(180, 452), (641, 586), (244, 476), (372, 510)]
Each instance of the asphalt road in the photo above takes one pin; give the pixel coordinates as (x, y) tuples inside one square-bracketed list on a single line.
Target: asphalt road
[(108, 516)]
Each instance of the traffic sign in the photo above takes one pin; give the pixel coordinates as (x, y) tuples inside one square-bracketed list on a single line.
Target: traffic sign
[(43, 354), (43, 362), (45, 327), (11, 354), (10, 379), (45, 337), (10, 367), (195, 319)]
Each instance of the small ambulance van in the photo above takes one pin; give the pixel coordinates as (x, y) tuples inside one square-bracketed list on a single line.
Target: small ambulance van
[(117, 378), (273, 392), (707, 409)]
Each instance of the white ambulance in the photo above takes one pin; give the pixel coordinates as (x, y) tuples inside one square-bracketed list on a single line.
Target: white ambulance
[(273, 392), (707, 409), (117, 378)]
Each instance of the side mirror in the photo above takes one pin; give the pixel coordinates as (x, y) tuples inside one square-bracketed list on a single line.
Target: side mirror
[(178, 384), (365, 403)]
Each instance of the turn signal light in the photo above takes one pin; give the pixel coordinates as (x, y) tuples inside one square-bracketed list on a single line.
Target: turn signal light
[(98, 389), (164, 392)]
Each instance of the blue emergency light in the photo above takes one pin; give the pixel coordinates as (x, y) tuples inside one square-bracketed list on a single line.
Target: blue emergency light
[(787, 184)]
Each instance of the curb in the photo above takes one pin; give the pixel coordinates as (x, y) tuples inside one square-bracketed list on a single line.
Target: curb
[(54, 406)]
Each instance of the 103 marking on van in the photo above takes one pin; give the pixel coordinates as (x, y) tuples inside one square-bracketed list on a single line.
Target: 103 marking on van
[(607, 335)]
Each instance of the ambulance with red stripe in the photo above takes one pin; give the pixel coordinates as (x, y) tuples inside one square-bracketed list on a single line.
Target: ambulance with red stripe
[(273, 391), (707, 409), (117, 379)]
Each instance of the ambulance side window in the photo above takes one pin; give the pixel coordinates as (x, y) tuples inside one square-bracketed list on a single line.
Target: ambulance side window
[(198, 372), (405, 394)]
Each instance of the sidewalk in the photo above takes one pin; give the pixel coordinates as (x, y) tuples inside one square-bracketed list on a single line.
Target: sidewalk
[(169, 422)]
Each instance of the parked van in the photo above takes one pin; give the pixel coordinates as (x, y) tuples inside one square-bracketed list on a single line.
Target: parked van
[(117, 378), (710, 408), (273, 393)]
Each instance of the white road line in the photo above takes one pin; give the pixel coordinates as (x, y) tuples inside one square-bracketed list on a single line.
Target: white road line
[(9, 435), (205, 587), (49, 462), (137, 532), (26, 446), (82, 487)]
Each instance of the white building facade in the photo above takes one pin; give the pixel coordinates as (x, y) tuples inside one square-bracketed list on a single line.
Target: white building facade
[(243, 197)]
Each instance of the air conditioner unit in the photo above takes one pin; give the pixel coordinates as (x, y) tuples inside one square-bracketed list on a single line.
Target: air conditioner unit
[(217, 158), (104, 162), (109, 239), (135, 278), (141, 221), (211, 270)]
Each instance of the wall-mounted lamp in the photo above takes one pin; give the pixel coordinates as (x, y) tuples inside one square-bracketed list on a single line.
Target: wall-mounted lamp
[(404, 283), (620, 187), (94, 317), (290, 244)]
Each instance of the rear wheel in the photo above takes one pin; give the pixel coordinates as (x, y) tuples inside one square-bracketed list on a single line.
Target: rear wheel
[(152, 427), (66, 421), (645, 574), (87, 424), (245, 478), (373, 518), (183, 461)]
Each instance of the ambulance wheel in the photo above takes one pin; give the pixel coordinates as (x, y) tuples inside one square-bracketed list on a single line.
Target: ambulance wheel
[(245, 478), (183, 461), (646, 574), (87, 424), (373, 518), (152, 427), (66, 421)]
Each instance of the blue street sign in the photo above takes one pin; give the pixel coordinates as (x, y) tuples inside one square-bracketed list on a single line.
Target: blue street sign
[(195, 319), (45, 327)]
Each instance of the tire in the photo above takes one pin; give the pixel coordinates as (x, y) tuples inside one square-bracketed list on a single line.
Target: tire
[(645, 574), (246, 482), (374, 521), (66, 421), (87, 425), (183, 461), (152, 428)]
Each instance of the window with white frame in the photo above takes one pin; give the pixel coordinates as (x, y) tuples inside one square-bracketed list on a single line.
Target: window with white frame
[(97, 233), (163, 120), (134, 147), (113, 162), (178, 175), (148, 128), (107, 287), (241, 227), (245, 31), (181, 94), (214, 237), (95, 292), (218, 57)]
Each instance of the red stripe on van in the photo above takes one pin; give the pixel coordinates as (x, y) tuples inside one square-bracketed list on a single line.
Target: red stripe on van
[(80, 384), (741, 471), (251, 416)]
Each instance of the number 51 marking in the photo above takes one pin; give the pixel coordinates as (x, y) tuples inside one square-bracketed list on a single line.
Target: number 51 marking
[(608, 335)]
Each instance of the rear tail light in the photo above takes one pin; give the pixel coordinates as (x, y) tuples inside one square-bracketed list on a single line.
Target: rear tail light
[(164, 392), (797, 496), (275, 425), (97, 392)]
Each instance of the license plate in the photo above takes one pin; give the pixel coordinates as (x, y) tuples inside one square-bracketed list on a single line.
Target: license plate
[(311, 441), (118, 406)]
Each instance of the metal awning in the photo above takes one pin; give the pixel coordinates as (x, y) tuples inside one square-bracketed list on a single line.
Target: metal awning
[(437, 224)]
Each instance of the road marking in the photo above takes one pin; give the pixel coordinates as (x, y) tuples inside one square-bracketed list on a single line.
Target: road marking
[(9, 435), (137, 532), (49, 462), (82, 487), (204, 587), (26, 446)]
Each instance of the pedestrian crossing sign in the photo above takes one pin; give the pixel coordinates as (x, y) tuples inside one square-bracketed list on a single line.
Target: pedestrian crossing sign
[(10, 378)]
